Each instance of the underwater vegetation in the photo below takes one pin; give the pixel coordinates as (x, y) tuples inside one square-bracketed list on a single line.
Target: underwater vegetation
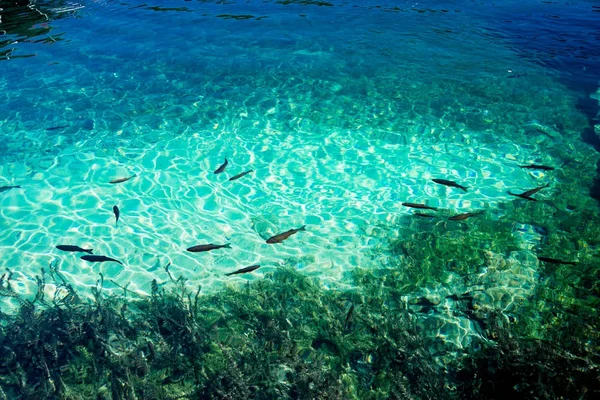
[(287, 337)]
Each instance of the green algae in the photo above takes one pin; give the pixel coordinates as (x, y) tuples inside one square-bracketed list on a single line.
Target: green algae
[(288, 337), (426, 255), (534, 331)]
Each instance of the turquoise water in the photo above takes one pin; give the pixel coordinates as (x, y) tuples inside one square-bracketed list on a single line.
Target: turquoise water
[(342, 118), (343, 110)]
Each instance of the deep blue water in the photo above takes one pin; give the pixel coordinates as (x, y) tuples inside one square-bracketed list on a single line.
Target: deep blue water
[(194, 35)]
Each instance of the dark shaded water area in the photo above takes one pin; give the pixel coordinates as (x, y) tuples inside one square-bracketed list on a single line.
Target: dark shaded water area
[(343, 110), (562, 36)]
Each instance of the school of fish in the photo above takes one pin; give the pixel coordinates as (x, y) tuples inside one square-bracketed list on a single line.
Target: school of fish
[(280, 237)]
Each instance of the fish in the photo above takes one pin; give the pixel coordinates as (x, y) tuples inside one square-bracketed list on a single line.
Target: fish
[(425, 304), (208, 247), (527, 195), (57, 127), (555, 261), (515, 76), (119, 180), (151, 349), (5, 188), (282, 236), (222, 167), (548, 132), (423, 215), (244, 270), (99, 259), (522, 196), (66, 247), (460, 297), (531, 192), (536, 166), (450, 183), (117, 213), (349, 318), (421, 206), (238, 176), (462, 217)]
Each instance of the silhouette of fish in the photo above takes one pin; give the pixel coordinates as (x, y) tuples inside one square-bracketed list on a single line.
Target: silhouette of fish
[(5, 188), (460, 297), (222, 167), (119, 180), (99, 259), (421, 206), (57, 127), (555, 261), (117, 213), (208, 247), (527, 195), (244, 270), (536, 166), (522, 196), (531, 192), (282, 236), (66, 247), (238, 176), (450, 183), (349, 318), (423, 215), (462, 217)]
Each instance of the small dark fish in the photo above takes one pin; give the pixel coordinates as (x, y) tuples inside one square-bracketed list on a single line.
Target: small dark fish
[(57, 127), (324, 344), (522, 196), (423, 215), (531, 192), (462, 217), (5, 188), (535, 166), (238, 176), (460, 297), (555, 261), (425, 302), (421, 206), (282, 236), (516, 75), (450, 183), (99, 259), (117, 213), (244, 270), (349, 318), (151, 349), (119, 180), (527, 195), (66, 247), (208, 247), (222, 167)]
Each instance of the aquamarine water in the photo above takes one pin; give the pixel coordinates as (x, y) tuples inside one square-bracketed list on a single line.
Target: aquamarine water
[(343, 110)]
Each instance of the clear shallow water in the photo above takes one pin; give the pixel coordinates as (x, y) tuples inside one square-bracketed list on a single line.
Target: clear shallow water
[(343, 110)]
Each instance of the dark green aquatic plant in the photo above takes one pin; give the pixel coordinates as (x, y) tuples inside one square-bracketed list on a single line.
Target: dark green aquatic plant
[(528, 369), (283, 337)]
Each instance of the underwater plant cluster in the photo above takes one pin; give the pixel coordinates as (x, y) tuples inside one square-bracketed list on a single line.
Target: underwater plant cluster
[(287, 337)]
